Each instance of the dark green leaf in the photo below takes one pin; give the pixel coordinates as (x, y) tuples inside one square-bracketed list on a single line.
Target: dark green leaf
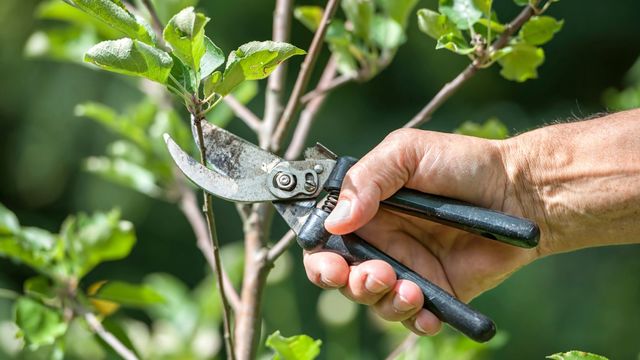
[(491, 129), (540, 29), (398, 10), (222, 113), (360, 14), (212, 59), (435, 25), (309, 16), (185, 34), (9, 224), (463, 13), (300, 347), (183, 75), (454, 43), (115, 14), (576, 355), (39, 325), (128, 294), (520, 62), (131, 57), (387, 33)]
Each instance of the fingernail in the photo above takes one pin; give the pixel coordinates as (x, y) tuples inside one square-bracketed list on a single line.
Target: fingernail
[(328, 282), (340, 213), (401, 304), (416, 324), (374, 285)]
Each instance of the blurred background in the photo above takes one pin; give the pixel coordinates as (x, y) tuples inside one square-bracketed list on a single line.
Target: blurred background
[(586, 300)]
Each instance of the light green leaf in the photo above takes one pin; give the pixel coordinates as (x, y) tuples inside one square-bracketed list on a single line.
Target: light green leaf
[(360, 14), (222, 113), (540, 29), (212, 59), (178, 307), (398, 10), (491, 129), (463, 13), (309, 16), (34, 247), (339, 40), (576, 355), (115, 14), (128, 125), (125, 173), (252, 61), (39, 325), (300, 347), (93, 239), (63, 44), (520, 62), (387, 33), (9, 224), (39, 287), (127, 294), (185, 34), (483, 25), (58, 10), (454, 43), (435, 25), (131, 57), (522, 2)]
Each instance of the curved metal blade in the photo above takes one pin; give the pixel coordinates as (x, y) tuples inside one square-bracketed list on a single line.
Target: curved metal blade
[(239, 182)]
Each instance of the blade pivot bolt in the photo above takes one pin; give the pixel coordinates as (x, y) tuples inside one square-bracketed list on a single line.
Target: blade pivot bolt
[(284, 181)]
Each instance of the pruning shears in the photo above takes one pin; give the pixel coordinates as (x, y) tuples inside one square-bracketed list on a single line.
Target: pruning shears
[(240, 171)]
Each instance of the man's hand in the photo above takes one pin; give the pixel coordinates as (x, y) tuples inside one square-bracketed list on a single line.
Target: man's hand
[(580, 182)]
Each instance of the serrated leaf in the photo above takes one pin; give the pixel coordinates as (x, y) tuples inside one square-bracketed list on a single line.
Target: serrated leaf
[(386, 33), (398, 10), (576, 355), (299, 347), (455, 43), (213, 58), (185, 34), (463, 13), (92, 239), (540, 29), (131, 57), (252, 61), (115, 14), (125, 173), (38, 324), (491, 129), (360, 14), (309, 16), (520, 62), (9, 224), (222, 113), (435, 25), (127, 294)]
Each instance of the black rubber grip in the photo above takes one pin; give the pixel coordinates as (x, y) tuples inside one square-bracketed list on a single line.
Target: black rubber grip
[(444, 305), (461, 215)]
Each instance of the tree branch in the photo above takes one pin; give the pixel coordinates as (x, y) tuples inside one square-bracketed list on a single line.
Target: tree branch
[(451, 87), (96, 326), (329, 86), (242, 112), (281, 246), (304, 75), (156, 23)]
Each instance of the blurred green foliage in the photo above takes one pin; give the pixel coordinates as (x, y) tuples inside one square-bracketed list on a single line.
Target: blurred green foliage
[(43, 146)]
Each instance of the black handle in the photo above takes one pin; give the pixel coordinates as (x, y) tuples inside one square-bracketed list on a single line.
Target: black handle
[(444, 305), (464, 216)]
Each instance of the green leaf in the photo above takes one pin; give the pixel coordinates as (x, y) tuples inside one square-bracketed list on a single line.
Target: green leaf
[(167, 8), (463, 13), (127, 294), (39, 287), (131, 57), (125, 173), (360, 14), (576, 355), (339, 40), (454, 43), (252, 61), (93, 239), (435, 25), (491, 129), (222, 113), (540, 29), (58, 10), (398, 10), (522, 2), (34, 247), (39, 325), (520, 62), (9, 224), (115, 14), (178, 307), (309, 16), (64, 44), (128, 125), (185, 34), (212, 59), (299, 347), (386, 33)]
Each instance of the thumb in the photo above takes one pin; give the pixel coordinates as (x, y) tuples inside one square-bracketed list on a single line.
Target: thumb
[(377, 176)]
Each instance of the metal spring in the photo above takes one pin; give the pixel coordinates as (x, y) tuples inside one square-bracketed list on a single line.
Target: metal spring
[(331, 201)]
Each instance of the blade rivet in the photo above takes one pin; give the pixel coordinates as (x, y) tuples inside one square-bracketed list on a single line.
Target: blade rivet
[(318, 168), (284, 181)]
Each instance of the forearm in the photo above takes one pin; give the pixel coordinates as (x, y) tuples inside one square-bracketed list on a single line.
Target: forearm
[(580, 181)]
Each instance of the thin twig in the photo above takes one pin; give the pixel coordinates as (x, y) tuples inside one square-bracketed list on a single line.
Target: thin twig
[(156, 23), (304, 75), (243, 113), (405, 345), (281, 246), (208, 211), (310, 111), (451, 87), (332, 85), (191, 210), (96, 326)]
